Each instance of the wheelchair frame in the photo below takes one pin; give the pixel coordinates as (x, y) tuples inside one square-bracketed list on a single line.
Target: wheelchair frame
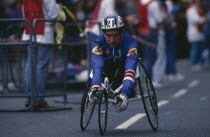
[(143, 89)]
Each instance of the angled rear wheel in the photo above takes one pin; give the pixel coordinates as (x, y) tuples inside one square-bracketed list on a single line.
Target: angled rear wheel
[(148, 95)]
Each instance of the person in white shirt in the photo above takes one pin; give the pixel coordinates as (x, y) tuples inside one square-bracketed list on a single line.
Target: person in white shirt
[(171, 42), (194, 33)]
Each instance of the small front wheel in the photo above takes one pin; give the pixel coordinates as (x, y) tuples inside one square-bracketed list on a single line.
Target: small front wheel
[(102, 111), (87, 108)]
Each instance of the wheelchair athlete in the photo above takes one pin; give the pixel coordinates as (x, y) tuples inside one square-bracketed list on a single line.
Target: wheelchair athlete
[(115, 54)]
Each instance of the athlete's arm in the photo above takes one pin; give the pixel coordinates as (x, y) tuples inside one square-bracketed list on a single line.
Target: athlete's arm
[(130, 68), (97, 64)]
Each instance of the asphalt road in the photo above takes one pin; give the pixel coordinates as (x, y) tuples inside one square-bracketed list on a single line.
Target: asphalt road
[(184, 111)]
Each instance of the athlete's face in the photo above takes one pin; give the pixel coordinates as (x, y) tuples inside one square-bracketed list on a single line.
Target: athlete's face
[(113, 37)]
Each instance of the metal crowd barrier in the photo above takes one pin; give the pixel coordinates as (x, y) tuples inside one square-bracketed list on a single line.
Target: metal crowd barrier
[(65, 45), (4, 44), (33, 45)]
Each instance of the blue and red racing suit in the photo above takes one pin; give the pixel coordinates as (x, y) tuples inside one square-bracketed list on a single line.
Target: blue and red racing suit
[(123, 59)]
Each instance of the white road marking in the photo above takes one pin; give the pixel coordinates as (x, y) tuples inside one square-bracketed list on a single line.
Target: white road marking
[(193, 83), (137, 117), (130, 121), (162, 103), (179, 93)]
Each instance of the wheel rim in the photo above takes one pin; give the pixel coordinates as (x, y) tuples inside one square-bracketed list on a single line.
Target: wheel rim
[(152, 116), (87, 113), (87, 108), (103, 111), (149, 99)]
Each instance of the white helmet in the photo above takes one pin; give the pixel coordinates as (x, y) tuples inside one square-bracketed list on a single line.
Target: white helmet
[(112, 23)]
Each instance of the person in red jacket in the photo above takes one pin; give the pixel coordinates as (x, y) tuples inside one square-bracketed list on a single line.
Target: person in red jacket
[(39, 9)]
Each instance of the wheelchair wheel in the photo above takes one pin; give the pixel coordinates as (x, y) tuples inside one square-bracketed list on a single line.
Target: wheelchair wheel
[(102, 112), (87, 108), (148, 95)]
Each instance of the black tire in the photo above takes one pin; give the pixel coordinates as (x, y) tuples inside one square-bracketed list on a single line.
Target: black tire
[(86, 108), (102, 112), (148, 96)]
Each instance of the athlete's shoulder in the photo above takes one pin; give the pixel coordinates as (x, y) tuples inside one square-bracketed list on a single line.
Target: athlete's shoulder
[(128, 39), (99, 40)]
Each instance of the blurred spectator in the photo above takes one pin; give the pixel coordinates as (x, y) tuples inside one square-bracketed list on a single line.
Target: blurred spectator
[(80, 13), (150, 19), (159, 67), (4, 8), (89, 7), (195, 20), (15, 29), (42, 9), (180, 29), (129, 11), (66, 2), (74, 30), (15, 10), (171, 72), (206, 44)]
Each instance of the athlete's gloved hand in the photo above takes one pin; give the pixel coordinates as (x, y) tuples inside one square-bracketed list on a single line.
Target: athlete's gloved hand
[(122, 102), (93, 94)]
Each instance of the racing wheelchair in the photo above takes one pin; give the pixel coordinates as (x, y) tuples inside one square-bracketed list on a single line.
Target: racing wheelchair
[(142, 85)]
